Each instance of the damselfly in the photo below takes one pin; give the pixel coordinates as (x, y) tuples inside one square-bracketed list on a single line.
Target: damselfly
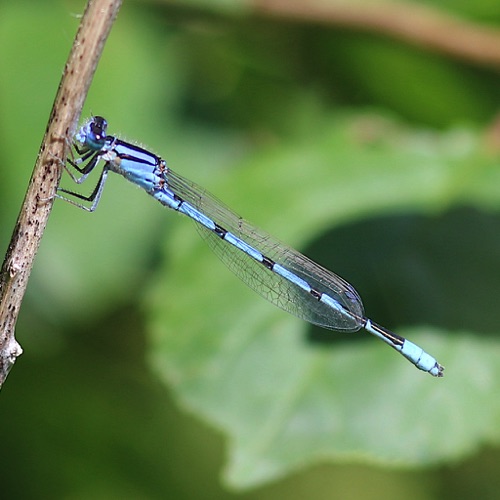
[(282, 275)]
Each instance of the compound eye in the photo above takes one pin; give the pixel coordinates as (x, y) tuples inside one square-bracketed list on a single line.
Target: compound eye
[(98, 128)]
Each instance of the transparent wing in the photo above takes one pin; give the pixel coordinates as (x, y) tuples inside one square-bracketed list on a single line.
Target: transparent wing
[(267, 283)]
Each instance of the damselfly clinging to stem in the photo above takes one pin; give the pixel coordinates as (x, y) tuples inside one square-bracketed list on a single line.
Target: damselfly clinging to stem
[(282, 275)]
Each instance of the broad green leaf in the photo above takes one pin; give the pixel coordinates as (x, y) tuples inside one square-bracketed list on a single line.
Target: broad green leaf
[(252, 371)]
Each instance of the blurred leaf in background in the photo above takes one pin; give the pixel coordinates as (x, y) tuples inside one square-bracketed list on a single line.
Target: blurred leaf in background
[(373, 156)]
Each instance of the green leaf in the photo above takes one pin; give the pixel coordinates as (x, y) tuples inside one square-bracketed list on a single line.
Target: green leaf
[(250, 370)]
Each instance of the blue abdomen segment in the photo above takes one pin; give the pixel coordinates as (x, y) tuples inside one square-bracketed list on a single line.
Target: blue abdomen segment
[(421, 359)]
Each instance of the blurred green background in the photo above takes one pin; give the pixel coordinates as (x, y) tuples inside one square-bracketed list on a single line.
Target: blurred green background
[(149, 370)]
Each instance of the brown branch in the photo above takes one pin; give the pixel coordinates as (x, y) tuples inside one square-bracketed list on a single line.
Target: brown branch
[(416, 24), (86, 51)]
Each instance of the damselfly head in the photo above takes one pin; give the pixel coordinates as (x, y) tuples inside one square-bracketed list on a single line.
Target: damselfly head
[(92, 134)]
